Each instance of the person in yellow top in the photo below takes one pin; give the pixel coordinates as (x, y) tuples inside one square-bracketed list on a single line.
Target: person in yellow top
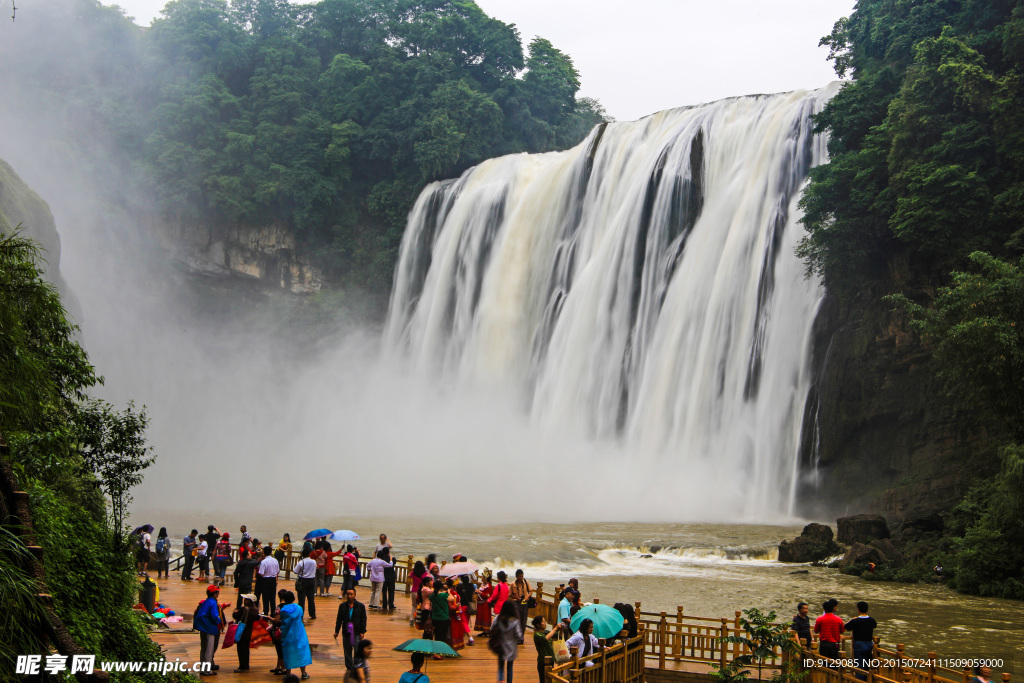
[(283, 548)]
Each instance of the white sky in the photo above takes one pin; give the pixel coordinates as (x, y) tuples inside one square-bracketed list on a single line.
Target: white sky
[(642, 56)]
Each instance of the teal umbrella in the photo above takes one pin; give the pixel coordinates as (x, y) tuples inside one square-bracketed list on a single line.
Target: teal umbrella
[(607, 620), (427, 647)]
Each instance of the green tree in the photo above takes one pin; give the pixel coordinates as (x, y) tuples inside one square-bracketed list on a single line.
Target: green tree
[(764, 641)]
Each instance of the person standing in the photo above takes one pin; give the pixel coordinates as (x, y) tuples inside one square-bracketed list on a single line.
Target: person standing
[(317, 555), (520, 595), (208, 622), (144, 543), (376, 569), (330, 569), (351, 619), (457, 627), (246, 615), (419, 570), (440, 614), (483, 607), (501, 593), (505, 635), (246, 536), (542, 638), (294, 641), (862, 627), (203, 555), (982, 674), (268, 571), (829, 628), (305, 571), (212, 535), (390, 579), (222, 557), (384, 543), (467, 598), (245, 570), (163, 553), (188, 550), (350, 562), (283, 548), (802, 624)]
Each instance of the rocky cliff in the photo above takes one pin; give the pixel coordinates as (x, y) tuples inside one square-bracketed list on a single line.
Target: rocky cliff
[(265, 253), (20, 205), (880, 435)]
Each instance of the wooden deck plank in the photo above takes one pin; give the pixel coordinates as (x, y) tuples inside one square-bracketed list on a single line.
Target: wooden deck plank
[(386, 630)]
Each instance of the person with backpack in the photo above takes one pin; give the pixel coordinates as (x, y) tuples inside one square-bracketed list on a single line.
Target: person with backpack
[(163, 554), (349, 570), (222, 557), (506, 633), (415, 675), (208, 621)]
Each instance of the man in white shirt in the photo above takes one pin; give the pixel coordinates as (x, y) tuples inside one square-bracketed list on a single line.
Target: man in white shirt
[(305, 571), (266, 581), (203, 555), (584, 641)]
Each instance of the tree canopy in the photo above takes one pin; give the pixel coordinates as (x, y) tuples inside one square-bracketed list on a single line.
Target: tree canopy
[(328, 117)]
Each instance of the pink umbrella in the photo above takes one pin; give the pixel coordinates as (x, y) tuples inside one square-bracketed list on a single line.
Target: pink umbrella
[(458, 569)]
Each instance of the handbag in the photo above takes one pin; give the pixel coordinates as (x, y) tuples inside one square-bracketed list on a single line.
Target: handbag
[(561, 651), (229, 635), (531, 602)]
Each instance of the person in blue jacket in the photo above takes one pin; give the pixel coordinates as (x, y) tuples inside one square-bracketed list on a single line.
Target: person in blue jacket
[(294, 642), (209, 622)]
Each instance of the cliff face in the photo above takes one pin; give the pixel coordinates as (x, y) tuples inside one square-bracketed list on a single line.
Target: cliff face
[(20, 205), (264, 253), (880, 434)]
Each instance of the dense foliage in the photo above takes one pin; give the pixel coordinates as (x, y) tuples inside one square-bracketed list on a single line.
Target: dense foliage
[(925, 189), (66, 452), (326, 117)]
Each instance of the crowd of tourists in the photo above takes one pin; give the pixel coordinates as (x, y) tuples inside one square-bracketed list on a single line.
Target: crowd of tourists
[(451, 609)]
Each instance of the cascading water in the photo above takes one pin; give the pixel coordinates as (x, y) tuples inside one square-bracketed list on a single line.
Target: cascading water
[(641, 288)]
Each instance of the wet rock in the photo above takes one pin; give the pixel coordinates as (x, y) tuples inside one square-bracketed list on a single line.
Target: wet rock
[(655, 548), (813, 544), (646, 556), (859, 554), (861, 528), (801, 571), (891, 555)]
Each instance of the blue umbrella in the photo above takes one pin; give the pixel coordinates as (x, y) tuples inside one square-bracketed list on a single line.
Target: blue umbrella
[(344, 535), (428, 647), (316, 533), (607, 620)]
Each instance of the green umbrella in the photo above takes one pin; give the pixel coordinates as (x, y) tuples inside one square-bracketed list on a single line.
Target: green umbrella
[(607, 620), (427, 647)]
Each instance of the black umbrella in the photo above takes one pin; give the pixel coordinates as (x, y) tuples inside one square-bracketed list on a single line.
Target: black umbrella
[(144, 529)]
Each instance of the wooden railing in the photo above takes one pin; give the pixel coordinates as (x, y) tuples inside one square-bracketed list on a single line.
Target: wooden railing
[(621, 662), (668, 638)]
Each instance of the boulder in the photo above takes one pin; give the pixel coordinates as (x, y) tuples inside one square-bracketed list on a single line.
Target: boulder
[(891, 555), (861, 528), (861, 554), (812, 545), (917, 528)]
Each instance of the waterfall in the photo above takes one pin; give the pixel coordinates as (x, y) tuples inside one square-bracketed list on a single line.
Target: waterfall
[(639, 289)]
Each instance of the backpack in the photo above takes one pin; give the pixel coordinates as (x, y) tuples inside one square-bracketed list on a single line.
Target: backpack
[(495, 645), (161, 544)]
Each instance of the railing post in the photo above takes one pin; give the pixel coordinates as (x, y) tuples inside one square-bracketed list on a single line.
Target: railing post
[(736, 625), (1006, 678), (604, 660), (931, 666), (408, 575), (662, 632), (678, 640), (724, 646)]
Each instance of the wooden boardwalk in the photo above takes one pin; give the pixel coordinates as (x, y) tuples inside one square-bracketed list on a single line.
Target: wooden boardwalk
[(386, 630)]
